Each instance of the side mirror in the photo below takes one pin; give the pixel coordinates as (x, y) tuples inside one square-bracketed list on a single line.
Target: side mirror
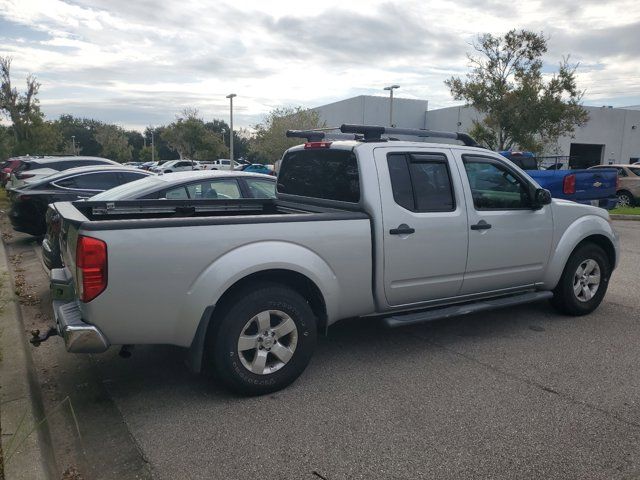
[(541, 197)]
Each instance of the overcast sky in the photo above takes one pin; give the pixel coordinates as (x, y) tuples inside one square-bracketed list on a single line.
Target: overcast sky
[(139, 62)]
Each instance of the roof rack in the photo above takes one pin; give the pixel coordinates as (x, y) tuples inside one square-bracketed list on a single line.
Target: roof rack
[(318, 134), (373, 133)]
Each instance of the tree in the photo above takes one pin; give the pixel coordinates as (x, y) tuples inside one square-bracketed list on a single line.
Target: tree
[(6, 142), (82, 132), (114, 143), (136, 142), (519, 107), (21, 108), (270, 140), (162, 149), (44, 138), (189, 137)]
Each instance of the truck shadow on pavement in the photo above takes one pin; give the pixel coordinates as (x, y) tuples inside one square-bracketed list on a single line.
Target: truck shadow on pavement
[(361, 344)]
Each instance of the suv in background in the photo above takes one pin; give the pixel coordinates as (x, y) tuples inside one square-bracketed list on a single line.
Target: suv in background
[(33, 170)]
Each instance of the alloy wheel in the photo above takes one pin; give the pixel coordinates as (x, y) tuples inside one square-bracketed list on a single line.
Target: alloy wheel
[(586, 280), (267, 342)]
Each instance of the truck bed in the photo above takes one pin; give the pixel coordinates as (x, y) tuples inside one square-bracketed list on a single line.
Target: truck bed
[(135, 214), (163, 277)]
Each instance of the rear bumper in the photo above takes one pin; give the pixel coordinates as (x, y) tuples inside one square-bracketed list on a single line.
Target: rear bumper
[(79, 336)]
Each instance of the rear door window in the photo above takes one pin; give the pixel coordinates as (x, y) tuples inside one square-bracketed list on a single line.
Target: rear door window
[(421, 182), (214, 189), (179, 193), (90, 181), (321, 173)]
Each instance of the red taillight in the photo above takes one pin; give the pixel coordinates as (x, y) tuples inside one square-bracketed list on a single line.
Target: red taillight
[(617, 181), (22, 198), (317, 145), (91, 267), (22, 176), (569, 184)]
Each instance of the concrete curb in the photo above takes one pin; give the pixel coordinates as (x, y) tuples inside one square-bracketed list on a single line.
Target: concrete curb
[(616, 216), (20, 400)]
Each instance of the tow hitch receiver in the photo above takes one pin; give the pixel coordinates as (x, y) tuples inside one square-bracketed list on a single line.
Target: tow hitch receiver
[(37, 339)]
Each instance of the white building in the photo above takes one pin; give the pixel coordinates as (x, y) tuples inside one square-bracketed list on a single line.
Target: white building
[(370, 110), (612, 135)]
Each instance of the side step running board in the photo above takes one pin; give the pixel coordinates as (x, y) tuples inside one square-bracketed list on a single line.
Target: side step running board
[(464, 309)]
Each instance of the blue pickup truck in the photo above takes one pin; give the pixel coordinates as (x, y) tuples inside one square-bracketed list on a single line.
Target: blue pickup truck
[(591, 187)]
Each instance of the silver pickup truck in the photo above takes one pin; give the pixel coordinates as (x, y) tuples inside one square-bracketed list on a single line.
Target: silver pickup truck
[(399, 231)]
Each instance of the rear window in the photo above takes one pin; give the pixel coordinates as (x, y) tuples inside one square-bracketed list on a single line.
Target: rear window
[(27, 166), (321, 173), (525, 163), (131, 190)]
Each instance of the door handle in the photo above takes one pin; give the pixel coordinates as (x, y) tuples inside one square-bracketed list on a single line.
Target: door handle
[(402, 229), (481, 225)]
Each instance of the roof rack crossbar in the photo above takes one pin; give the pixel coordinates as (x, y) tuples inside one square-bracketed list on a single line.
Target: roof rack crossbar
[(373, 133), (319, 134)]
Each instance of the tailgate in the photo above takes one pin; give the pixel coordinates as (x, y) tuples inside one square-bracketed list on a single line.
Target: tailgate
[(595, 184), (71, 220), (589, 184)]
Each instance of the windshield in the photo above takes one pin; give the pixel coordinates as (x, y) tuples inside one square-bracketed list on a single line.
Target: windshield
[(131, 189)]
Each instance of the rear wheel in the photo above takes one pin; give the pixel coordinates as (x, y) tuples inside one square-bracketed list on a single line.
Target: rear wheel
[(263, 341), (584, 281)]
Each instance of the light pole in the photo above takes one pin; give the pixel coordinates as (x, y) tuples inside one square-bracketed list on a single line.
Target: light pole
[(73, 142), (153, 148), (391, 88), (230, 97)]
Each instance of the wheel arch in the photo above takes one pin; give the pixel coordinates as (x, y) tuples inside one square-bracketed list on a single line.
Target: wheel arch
[(297, 281), (591, 228)]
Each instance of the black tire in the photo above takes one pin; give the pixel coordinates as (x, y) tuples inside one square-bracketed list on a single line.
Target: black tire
[(564, 297), (625, 199), (222, 351)]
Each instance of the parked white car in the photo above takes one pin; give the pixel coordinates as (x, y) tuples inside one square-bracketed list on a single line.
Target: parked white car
[(32, 171), (176, 166)]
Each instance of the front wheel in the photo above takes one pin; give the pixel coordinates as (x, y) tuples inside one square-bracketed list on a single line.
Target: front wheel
[(263, 341), (584, 281)]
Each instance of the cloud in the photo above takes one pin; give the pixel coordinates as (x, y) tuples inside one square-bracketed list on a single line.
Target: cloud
[(142, 61)]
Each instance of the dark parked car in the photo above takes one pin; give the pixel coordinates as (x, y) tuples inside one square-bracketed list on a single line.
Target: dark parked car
[(29, 203), (33, 170), (190, 185)]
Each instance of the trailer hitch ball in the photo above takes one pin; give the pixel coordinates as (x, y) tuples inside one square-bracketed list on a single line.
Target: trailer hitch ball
[(37, 338)]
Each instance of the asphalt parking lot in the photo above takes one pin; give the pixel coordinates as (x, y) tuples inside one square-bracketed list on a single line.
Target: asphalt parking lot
[(520, 393)]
